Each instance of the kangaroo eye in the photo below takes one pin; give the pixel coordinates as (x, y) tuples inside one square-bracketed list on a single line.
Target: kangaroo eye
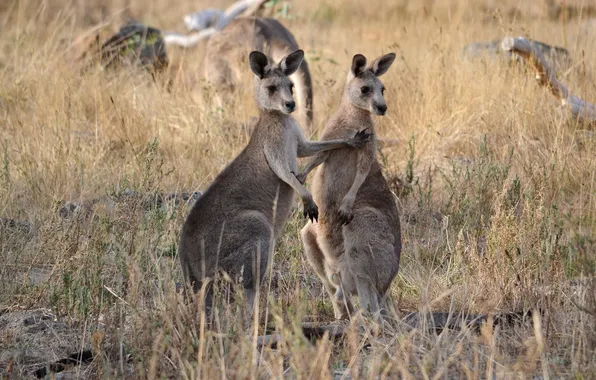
[(365, 90), (292, 89), (383, 90), (271, 89)]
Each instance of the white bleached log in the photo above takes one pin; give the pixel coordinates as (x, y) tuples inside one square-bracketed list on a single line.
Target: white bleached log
[(188, 40), (579, 109), (242, 8), (209, 21), (202, 19)]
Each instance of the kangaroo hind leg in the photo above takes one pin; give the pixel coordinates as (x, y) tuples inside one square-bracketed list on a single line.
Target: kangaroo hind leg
[(367, 295), (316, 258), (249, 238)]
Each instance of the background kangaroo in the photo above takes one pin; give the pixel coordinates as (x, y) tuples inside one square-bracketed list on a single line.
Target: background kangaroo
[(234, 225), (355, 248), (226, 53)]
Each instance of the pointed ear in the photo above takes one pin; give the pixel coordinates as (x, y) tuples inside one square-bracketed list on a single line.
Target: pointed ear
[(358, 64), (290, 63), (382, 64), (258, 63)]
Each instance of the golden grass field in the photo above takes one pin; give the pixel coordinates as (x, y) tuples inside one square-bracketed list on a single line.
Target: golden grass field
[(497, 194)]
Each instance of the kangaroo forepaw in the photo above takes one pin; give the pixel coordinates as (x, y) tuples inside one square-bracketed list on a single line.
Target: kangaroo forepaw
[(346, 214), (360, 138), (311, 210)]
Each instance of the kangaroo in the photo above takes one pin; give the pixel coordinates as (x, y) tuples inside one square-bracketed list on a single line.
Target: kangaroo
[(227, 49), (233, 226), (355, 248)]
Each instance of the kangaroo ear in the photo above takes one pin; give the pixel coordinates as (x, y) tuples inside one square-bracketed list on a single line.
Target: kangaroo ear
[(258, 63), (358, 64), (290, 63), (382, 64)]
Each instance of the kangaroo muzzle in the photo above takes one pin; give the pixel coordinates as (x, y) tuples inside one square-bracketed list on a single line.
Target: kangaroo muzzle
[(379, 109), (289, 106)]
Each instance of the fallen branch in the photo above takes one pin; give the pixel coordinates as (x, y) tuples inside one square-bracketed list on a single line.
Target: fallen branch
[(580, 109), (434, 322), (387, 143), (244, 8), (77, 358), (187, 40), (309, 330), (204, 19), (146, 201), (209, 21)]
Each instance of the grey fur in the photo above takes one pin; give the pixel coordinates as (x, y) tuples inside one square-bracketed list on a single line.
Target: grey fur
[(233, 226), (227, 50), (355, 248)]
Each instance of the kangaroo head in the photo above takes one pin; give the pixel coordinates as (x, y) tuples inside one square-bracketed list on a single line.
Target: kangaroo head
[(363, 88), (273, 88)]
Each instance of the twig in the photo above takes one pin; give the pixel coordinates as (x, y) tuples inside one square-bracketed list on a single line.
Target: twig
[(115, 295)]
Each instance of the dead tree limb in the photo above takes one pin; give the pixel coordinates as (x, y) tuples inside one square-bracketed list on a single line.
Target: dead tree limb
[(252, 9), (434, 322), (312, 331), (187, 40), (209, 21), (580, 110)]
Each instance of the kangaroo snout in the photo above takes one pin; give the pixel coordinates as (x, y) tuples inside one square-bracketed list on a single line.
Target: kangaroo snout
[(290, 106), (380, 109)]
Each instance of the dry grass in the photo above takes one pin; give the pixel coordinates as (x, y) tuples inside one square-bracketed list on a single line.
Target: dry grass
[(498, 194)]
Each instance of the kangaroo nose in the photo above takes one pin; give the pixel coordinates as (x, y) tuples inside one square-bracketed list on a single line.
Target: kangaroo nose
[(382, 108), (291, 105)]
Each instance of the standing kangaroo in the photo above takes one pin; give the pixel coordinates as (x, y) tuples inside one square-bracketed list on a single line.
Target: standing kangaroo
[(355, 248), (233, 226), (227, 49)]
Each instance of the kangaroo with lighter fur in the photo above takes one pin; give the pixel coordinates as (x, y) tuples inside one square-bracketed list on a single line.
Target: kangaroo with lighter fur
[(227, 50), (355, 248), (233, 226)]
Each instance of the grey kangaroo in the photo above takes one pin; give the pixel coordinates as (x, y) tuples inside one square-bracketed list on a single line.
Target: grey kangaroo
[(233, 226), (355, 248), (227, 49)]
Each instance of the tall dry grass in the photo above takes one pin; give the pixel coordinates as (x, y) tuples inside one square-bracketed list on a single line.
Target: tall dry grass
[(497, 193)]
